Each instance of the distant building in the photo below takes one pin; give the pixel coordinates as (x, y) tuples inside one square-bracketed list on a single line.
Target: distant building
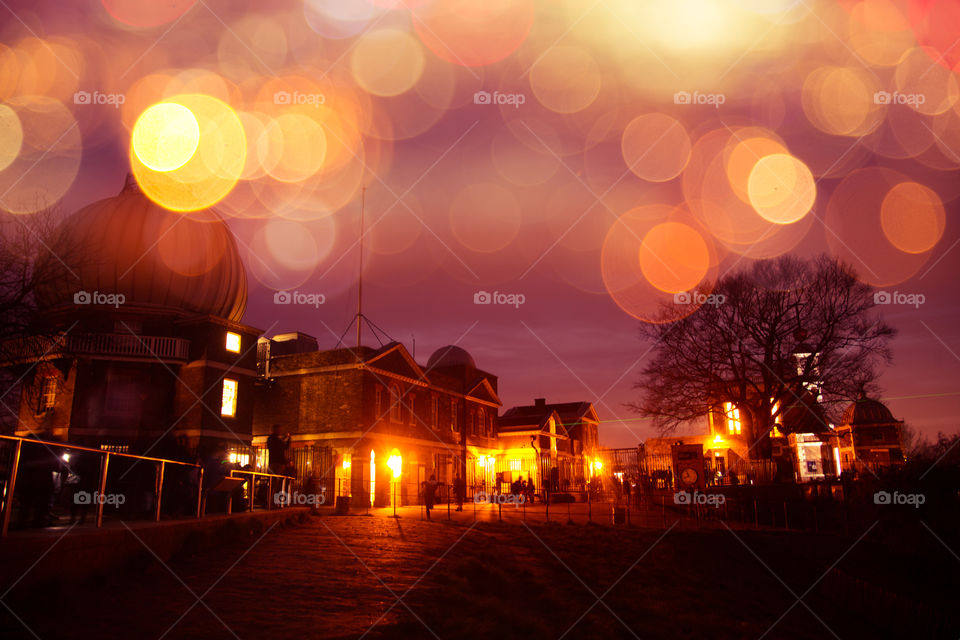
[(868, 434), (554, 444)]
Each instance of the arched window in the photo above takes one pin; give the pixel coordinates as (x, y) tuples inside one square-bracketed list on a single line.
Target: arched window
[(396, 405)]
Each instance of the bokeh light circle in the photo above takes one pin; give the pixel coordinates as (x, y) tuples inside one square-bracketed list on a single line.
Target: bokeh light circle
[(912, 217), (674, 257), (11, 136), (386, 62), (165, 136), (213, 169), (655, 147), (781, 188)]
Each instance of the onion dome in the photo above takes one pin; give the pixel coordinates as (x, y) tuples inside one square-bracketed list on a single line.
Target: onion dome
[(154, 257)]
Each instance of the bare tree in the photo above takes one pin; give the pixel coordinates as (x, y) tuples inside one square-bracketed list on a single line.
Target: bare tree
[(766, 336)]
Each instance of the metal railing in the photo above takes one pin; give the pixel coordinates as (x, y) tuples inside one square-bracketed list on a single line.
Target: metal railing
[(58, 452), (119, 344), (98, 344)]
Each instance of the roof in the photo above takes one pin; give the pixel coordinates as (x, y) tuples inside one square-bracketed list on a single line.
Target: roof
[(156, 258), (866, 410)]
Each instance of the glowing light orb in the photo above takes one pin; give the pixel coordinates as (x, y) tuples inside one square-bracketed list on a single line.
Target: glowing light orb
[(674, 257), (655, 147), (781, 188), (387, 62), (213, 168), (912, 217), (166, 136), (11, 136), (471, 33)]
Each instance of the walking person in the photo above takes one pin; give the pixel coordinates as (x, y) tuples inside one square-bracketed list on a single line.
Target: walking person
[(459, 489), (429, 493)]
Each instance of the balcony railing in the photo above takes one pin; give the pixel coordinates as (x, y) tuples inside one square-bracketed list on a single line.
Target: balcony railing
[(128, 345)]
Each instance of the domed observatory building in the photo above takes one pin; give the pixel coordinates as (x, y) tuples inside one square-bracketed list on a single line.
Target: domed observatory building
[(869, 436), (142, 331)]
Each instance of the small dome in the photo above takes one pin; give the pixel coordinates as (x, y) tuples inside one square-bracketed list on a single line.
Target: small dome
[(866, 410), (157, 258), (450, 356)]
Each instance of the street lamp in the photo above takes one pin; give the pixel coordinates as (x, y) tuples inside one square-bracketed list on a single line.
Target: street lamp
[(395, 463)]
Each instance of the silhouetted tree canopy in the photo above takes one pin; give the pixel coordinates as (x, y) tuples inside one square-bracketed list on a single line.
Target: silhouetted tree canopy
[(742, 349)]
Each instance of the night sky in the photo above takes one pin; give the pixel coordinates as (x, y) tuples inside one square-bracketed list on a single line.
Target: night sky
[(717, 132)]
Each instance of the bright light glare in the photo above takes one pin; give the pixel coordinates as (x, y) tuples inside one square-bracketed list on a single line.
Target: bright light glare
[(166, 136)]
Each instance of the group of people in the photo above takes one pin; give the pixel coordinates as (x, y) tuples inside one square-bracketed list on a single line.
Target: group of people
[(525, 488)]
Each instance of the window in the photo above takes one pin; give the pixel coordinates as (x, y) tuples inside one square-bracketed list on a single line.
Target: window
[(233, 342), (454, 416), (228, 399), (435, 411), (395, 404), (48, 394), (378, 402), (514, 465), (733, 418), (411, 405)]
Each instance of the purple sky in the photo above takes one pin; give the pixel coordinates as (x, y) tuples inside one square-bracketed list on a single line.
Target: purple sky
[(427, 253)]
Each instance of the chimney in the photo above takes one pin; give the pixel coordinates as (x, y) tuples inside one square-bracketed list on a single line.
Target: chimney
[(540, 403)]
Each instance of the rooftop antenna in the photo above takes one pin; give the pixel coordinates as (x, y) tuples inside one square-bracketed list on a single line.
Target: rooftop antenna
[(363, 202), (359, 318)]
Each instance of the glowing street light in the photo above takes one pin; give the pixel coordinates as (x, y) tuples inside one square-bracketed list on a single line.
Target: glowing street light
[(395, 463)]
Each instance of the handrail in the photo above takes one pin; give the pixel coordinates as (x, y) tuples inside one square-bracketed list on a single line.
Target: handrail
[(101, 451), (285, 482), (161, 463)]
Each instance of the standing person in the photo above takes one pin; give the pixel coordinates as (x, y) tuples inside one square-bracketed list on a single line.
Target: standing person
[(459, 489), (429, 493), (531, 490), (626, 489), (277, 445)]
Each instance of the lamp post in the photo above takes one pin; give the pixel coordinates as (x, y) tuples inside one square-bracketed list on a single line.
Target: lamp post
[(395, 462)]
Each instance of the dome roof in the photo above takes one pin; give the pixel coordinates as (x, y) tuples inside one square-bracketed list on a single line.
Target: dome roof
[(450, 356), (866, 410), (129, 245)]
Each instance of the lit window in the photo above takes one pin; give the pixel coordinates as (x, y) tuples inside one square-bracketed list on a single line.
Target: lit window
[(514, 465), (48, 394), (228, 401), (733, 418), (233, 342)]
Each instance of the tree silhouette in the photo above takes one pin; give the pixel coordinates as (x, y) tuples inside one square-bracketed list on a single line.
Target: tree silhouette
[(768, 334)]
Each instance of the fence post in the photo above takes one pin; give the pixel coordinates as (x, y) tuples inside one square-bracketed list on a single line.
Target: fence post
[(269, 493), (160, 473), (11, 487), (102, 486), (200, 504)]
